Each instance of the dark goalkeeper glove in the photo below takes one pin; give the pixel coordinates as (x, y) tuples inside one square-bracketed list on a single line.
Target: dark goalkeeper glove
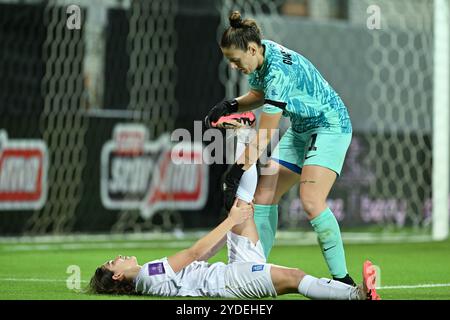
[(230, 184), (221, 109)]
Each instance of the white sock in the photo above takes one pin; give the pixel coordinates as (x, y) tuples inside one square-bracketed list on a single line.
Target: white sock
[(326, 289), (249, 180)]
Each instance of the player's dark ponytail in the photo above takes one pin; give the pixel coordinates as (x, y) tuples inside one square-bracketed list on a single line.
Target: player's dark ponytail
[(240, 32), (235, 20)]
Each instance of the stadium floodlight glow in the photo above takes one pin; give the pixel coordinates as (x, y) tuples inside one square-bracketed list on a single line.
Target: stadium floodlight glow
[(441, 116)]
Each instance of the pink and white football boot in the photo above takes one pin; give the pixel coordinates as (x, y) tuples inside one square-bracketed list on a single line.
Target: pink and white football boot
[(369, 281), (236, 121)]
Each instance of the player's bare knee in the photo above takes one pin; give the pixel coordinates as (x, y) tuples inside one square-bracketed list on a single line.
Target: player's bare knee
[(293, 278), (310, 206), (265, 197)]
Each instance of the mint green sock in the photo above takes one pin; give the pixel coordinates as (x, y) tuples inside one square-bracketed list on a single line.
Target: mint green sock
[(329, 236), (266, 220)]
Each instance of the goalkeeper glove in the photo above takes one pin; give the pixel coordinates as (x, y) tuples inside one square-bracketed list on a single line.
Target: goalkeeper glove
[(221, 109)]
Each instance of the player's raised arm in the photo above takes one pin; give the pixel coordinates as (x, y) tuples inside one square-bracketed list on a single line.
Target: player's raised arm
[(251, 100), (204, 245)]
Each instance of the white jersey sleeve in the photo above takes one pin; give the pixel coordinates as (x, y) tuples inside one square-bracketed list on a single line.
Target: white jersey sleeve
[(157, 278), (199, 278)]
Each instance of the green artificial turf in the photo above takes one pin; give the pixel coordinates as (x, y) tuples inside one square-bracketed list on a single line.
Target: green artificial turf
[(39, 271)]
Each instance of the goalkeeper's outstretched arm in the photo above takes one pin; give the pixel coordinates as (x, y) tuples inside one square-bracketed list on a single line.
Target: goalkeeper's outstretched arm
[(251, 100)]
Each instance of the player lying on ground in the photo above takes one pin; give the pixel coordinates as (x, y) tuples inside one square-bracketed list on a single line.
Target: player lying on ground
[(247, 275)]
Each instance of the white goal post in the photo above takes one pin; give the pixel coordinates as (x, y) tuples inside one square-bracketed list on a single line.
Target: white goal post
[(441, 117)]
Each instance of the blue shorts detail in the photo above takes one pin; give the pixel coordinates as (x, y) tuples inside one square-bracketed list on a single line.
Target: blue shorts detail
[(290, 166), (317, 147)]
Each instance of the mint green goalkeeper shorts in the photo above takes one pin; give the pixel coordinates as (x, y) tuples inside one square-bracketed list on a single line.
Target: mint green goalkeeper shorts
[(314, 147)]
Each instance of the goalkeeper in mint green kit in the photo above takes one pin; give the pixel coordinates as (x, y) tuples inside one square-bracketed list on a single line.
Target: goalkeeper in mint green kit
[(312, 150)]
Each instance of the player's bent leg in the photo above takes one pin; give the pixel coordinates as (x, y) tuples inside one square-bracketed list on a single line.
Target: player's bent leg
[(245, 195), (247, 185), (266, 220), (315, 185), (271, 188), (268, 193)]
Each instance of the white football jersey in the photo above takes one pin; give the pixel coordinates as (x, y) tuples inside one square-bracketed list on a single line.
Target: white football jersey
[(197, 279)]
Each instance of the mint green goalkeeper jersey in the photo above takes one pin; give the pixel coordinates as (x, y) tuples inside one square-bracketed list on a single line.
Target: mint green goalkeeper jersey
[(292, 84)]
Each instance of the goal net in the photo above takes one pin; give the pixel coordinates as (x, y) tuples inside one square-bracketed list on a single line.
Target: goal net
[(73, 73), (381, 57), (93, 89)]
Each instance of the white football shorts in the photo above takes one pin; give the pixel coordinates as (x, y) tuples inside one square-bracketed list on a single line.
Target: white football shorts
[(247, 275)]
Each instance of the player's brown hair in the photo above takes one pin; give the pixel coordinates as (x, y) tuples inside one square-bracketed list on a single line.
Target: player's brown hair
[(240, 32), (103, 283)]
